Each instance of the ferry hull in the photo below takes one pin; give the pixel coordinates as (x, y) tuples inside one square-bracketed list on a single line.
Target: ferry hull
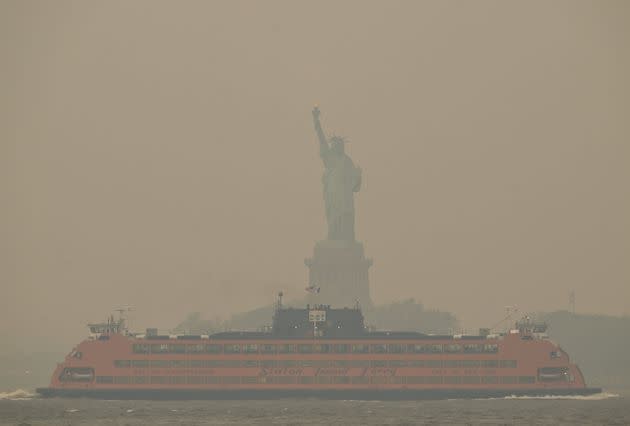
[(267, 394)]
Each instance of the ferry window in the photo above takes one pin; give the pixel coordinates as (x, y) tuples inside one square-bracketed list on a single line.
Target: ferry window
[(323, 380), (418, 363), (268, 363), (228, 363), (526, 379), (306, 380), (473, 348), (434, 380), (212, 380), (508, 380), (321, 349), (251, 348), (178, 380), (285, 380), (250, 363), (419, 349), (195, 349), (470, 363), (341, 380), (489, 380), (287, 363), (180, 363), (268, 349), (140, 363), (232, 348), (397, 363), (436, 348), (359, 363), (554, 354), (341, 349), (196, 363), (507, 363), (266, 379), (341, 363), (77, 374), (160, 348), (139, 348), (213, 348), (471, 380), (491, 348), (378, 363), (122, 363), (397, 380), (177, 348), (122, 380), (231, 380), (452, 380), (395, 348), (490, 363), (320, 363), (249, 379), (160, 363), (553, 374), (434, 363), (378, 349), (360, 349), (160, 380), (378, 380), (452, 363), (415, 380), (105, 379), (286, 349), (195, 380), (140, 380), (360, 380), (305, 348), (452, 348)]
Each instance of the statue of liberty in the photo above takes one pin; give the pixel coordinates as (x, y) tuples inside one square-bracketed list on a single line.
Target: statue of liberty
[(341, 180)]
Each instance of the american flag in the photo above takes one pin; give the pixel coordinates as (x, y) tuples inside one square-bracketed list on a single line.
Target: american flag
[(312, 289)]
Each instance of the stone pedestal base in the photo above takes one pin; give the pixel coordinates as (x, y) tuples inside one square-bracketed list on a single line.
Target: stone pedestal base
[(340, 270)]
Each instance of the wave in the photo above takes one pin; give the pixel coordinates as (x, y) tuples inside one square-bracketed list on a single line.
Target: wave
[(594, 397), (17, 394)]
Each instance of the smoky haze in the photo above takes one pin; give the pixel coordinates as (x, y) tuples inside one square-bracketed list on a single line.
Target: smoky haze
[(162, 155)]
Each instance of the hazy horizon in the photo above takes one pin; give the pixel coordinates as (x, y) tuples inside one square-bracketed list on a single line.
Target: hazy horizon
[(162, 155)]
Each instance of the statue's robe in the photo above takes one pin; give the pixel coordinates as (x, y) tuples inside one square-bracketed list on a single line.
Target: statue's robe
[(340, 180)]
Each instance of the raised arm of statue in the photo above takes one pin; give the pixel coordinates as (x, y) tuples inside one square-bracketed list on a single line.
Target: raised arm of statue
[(323, 142)]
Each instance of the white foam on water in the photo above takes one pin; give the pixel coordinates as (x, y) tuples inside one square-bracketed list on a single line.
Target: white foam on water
[(131, 410), (594, 397), (72, 410), (17, 395)]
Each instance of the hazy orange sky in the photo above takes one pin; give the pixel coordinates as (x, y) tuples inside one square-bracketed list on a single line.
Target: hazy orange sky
[(162, 155)]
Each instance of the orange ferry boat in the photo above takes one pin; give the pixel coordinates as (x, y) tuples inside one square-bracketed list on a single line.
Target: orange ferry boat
[(315, 352)]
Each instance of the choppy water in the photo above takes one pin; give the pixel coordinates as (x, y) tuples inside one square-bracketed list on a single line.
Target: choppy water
[(23, 408)]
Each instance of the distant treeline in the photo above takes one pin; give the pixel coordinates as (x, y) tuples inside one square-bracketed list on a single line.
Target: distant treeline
[(599, 344)]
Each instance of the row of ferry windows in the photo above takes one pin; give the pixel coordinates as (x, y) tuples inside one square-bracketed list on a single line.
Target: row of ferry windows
[(236, 380), (216, 363), (307, 348)]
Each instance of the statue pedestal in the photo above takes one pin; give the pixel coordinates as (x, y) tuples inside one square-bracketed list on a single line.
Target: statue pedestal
[(340, 269)]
